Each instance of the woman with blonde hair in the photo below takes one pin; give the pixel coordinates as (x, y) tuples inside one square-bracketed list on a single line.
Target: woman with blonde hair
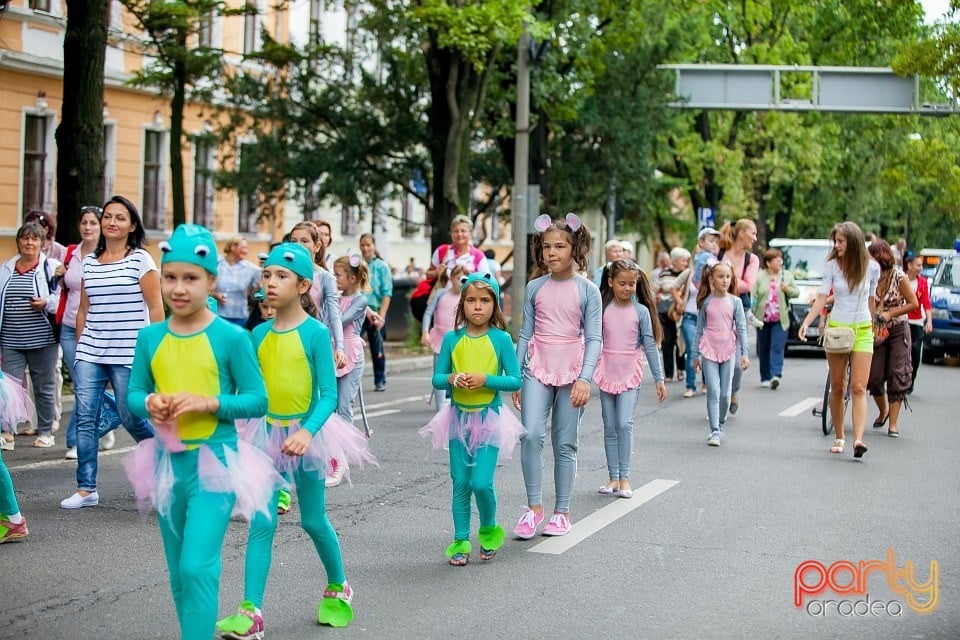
[(853, 277)]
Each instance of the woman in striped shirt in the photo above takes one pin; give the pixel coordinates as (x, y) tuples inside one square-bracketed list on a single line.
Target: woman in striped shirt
[(120, 295), (28, 292)]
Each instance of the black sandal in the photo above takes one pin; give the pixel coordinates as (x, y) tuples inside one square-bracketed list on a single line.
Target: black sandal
[(878, 423), (859, 449)]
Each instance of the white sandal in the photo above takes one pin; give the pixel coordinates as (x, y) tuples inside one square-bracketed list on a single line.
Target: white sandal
[(838, 445)]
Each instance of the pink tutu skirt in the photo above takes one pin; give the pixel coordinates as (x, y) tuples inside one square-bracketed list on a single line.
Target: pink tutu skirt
[(353, 349), (243, 471), (495, 426), (619, 371), (555, 362), (337, 439), (16, 406)]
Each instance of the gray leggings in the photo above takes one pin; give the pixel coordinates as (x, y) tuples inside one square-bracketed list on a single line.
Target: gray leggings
[(719, 377), (538, 401), (43, 364), (617, 411), (347, 387)]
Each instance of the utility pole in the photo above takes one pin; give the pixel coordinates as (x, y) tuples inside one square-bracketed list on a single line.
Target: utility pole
[(519, 204)]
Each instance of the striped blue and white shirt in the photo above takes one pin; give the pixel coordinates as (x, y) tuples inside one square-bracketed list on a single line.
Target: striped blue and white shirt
[(117, 308), (23, 327)]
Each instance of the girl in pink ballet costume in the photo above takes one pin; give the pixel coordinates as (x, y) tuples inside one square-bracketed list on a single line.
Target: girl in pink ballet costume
[(558, 348), (721, 337), (439, 316), (631, 328)]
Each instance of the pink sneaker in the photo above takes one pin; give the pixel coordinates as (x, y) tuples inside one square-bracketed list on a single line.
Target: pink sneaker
[(559, 525), (529, 522)]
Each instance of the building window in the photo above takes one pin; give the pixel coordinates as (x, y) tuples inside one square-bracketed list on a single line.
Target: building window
[(348, 221), (40, 5), (153, 215), (205, 31), (248, 217), (203, 186), (35, 163), (109, 158), (250, 27)]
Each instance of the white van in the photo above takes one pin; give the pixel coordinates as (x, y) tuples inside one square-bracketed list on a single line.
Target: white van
[(805, 259)]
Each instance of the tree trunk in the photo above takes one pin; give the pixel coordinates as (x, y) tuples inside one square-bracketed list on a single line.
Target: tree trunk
[(80, 132), (176, 135)]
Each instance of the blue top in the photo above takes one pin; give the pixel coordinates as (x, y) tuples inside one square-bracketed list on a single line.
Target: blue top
[(491, 353), (217, 361), (355, 313), (326, 296), (591, 313), (298, 372), (381, 283)]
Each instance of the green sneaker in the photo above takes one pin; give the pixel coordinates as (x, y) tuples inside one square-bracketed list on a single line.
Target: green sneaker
[(283, 504), (246, 624), (335, 609)]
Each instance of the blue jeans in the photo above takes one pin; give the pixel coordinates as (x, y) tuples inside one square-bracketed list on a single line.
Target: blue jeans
[(108, 417), (89, 385), (719, 376), (771, 343), (688, 327)]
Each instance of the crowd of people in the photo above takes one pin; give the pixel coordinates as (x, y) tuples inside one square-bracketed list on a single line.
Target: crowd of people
[(238, 381)]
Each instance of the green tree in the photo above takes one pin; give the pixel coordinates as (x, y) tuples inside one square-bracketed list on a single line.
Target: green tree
[(80, 132)]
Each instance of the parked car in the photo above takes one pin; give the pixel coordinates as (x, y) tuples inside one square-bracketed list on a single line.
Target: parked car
[(945, 299), (930, 259), (806, 260)]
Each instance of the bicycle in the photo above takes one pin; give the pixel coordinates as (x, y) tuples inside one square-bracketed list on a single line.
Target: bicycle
[(826, 423)]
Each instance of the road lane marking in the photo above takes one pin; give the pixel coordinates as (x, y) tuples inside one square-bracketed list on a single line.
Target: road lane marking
[(801, 407), (601, 518), (391, 403), (376, 414), (59, 461)]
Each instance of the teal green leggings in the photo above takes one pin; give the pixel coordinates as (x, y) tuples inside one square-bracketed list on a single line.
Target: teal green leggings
[(311, 494), (193, 538), (472, 475), (8, 501)]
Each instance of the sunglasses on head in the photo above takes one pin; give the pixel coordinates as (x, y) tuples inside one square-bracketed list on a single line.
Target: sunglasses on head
[(91, 208)]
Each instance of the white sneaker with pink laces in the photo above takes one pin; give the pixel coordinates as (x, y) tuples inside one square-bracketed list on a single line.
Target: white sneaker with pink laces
[(559, 525)]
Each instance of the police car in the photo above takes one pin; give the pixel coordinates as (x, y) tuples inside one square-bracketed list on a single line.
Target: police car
[(945, 300)]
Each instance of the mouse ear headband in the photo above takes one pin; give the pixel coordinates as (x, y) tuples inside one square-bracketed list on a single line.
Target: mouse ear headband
[(543, 222), (354, 260)]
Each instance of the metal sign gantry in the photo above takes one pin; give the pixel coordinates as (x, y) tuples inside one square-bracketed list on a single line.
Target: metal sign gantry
[(760, 88)]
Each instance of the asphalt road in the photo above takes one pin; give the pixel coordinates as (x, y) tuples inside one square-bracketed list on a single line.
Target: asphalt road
[(712, 555)]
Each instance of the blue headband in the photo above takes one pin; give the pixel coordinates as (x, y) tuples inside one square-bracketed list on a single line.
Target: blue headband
[(192, 244), (293, 256)]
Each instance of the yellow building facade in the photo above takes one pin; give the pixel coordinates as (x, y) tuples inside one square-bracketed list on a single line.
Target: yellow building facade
[(136, 123)]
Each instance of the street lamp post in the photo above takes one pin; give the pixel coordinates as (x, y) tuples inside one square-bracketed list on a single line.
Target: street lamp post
[(519, 204)]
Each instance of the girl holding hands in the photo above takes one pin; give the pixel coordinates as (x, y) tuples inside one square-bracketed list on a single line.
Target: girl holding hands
[(476, 363)]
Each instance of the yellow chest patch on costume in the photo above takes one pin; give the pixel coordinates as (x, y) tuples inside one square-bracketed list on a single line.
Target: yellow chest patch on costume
[(188, 364), (474, 355), (286, 374)]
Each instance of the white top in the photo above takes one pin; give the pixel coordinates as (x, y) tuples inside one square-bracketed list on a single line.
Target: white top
[(850, 306), (117, 309)]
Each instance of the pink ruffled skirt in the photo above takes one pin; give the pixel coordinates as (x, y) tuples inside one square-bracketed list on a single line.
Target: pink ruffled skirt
[(555, 362), (619, 371), (353, 349), (16, 406), (495, 426), (337, 439), (718, 346), (237, 468)]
